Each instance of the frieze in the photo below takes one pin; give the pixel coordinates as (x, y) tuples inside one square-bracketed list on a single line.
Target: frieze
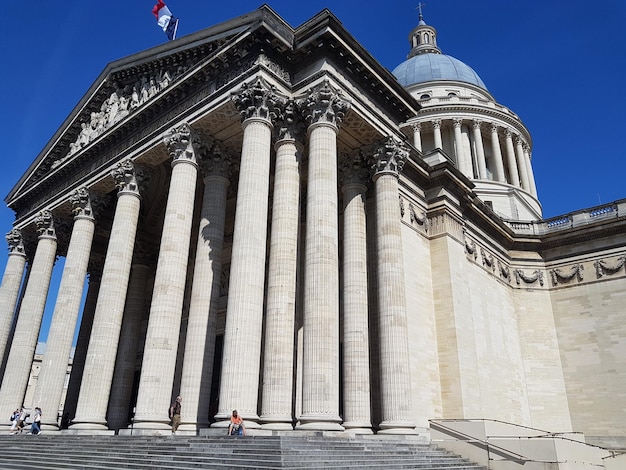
[(421, 220), (470, 247), (504, 271), (604, 267), (488, 260), (536, 275), (575, 272)]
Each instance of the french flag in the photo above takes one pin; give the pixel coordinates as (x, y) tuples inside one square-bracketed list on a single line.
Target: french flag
[(165, 19)]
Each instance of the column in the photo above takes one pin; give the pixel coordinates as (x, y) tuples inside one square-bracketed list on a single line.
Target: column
[(437, 133), (531, 173), (134, 311), (84, 332), (354, 174), (26, 333), (278, 359), (480, 151), (239, 386), (161, 347), (417, 136), (463, 161), (395, 384), (195, 385), (510, 159), (107, 322), (49, 389), (324, 109), (521, 162), (497, 155), (11, 283)]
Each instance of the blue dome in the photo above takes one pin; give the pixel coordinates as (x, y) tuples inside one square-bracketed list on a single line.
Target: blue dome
[(428, 67)]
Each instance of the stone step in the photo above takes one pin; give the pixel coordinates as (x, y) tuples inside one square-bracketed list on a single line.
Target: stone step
[(66, 451)]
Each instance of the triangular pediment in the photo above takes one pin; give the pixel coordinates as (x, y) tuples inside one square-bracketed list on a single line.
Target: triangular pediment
[(135, 98), (129, 85)]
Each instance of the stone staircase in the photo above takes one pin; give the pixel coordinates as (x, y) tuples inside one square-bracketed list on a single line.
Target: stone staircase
[(61, 451)]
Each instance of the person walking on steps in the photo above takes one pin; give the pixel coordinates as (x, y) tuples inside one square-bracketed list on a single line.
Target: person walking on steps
[(175, 413)]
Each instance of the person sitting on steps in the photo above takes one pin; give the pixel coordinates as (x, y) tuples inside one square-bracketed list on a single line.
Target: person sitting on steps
[(236, 427)]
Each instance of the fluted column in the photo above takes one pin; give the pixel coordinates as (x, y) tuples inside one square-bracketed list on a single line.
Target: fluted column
[(124, 372), (244, 316), (49, 389), (324, 109), (463, 161), (437, 133), (80, 352), (395, 383), (480, 151), (510, 158), (29, 318), (356, 372), (497, 155), (277, 404), (159, 355), (100, 361), (417, 136), (195, 385), (11, 283), (529, 166), (521, 162)]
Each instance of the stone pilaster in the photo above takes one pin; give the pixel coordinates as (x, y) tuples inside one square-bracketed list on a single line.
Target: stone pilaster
[(100, 361), (511, 161), (195, 385), (159, 355), (11, 283), (324, 109), (134, 311), (480, 150), (529, 166), (395, 383), (244, 317), (417, 135), (354, 175), (49, 389), (521, 161), (437, 133), (277, 405), (82, 343), (29, 318), (497, 154)]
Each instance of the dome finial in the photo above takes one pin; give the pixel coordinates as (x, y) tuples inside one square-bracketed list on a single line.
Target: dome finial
[(421, 17), (423, 38)]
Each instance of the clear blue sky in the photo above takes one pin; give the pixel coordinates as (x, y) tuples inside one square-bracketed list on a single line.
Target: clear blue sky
[(560, 65)]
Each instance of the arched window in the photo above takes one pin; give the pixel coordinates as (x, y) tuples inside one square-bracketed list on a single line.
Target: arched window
[(425, 96)]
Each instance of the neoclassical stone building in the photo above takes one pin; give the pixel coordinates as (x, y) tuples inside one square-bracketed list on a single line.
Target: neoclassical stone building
[(269, 220)]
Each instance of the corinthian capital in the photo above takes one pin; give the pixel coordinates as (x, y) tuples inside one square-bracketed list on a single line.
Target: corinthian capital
[(257, 100), (353, 168), (215, 159), (15, 242), (180, 142), (389, 157), (324, 104), (124, 176), (289, 123), (45, 224), (81, 203)]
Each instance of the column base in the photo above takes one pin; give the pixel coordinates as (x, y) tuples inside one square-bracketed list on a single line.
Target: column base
[(277, 426), (397, 427), (89, 426), (358, 428), (319, 423)]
